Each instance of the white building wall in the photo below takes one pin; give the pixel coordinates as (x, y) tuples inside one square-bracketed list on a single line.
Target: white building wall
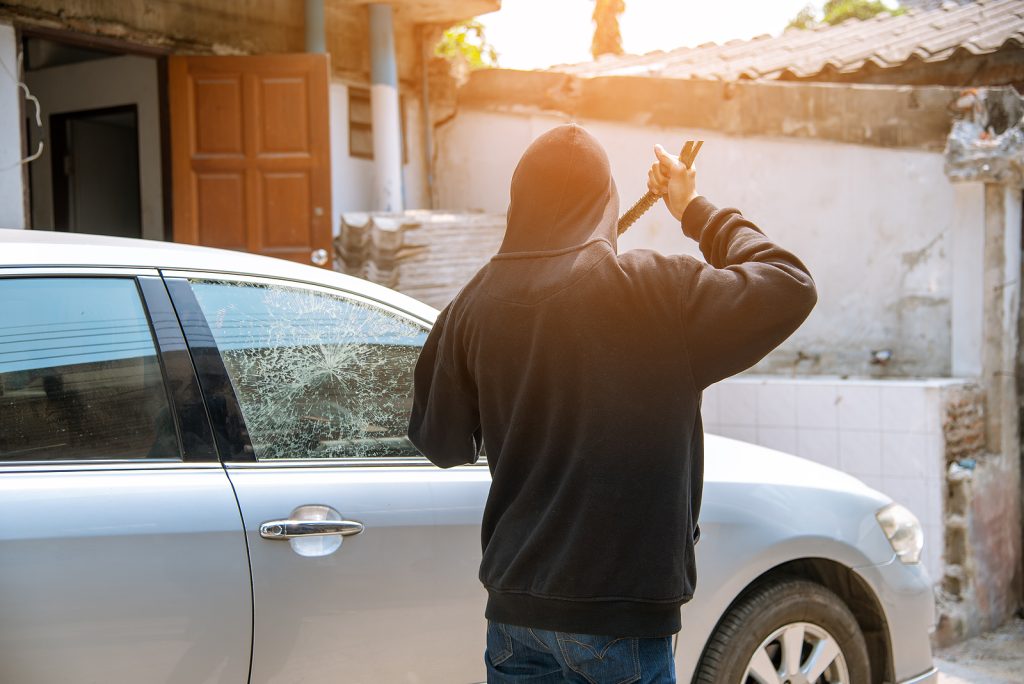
[(352, 177), (12, 187), (874, 225)]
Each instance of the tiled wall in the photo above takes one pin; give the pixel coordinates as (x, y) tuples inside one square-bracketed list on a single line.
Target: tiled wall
[(887, 433)]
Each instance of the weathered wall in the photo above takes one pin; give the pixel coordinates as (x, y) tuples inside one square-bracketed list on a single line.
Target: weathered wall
[(218, 27), (873, 224), (980, 583), (12, 201)]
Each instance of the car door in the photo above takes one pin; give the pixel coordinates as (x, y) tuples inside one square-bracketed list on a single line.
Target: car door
[(122, 558), (364, 556)]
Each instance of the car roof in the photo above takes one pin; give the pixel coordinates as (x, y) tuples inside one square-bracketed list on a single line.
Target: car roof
[(51, 249)]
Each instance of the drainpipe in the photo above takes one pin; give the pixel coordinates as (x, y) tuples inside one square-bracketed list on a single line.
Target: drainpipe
[(387, 131), (315, 32), (428, 127)]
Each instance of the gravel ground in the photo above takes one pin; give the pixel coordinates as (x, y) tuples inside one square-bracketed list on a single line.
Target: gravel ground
[(993, 658)]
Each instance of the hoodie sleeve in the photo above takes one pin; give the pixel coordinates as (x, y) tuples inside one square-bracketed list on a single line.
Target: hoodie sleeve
[(445, 421), (749, 296)]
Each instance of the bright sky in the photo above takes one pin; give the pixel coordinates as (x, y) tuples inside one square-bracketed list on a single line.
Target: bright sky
[(530, 34)]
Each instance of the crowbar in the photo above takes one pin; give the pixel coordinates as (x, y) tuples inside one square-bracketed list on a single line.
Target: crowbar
[(687, 155)]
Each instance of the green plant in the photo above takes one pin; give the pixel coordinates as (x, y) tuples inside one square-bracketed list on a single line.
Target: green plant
[(466, 45), (837, 11)]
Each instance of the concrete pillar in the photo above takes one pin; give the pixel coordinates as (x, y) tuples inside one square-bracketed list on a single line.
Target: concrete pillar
[(316, 40), (968, 271), (387, 130)]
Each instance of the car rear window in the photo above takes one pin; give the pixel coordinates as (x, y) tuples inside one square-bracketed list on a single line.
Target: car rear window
[(79, 375)]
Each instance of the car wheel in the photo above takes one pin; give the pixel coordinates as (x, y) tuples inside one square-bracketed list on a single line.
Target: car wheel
[(789, 632)]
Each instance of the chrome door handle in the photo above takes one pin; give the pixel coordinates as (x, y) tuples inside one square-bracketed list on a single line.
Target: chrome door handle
[(291, 529)]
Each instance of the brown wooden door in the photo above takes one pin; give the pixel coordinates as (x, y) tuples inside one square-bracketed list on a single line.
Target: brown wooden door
[(250, 151)]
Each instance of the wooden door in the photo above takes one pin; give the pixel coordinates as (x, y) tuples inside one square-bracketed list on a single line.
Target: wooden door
[(250, 152)]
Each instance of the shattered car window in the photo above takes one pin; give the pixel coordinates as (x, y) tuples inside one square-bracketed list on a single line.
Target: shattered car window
[(317, 375)]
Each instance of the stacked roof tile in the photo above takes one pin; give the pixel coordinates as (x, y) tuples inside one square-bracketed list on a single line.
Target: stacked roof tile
[(822, 53)]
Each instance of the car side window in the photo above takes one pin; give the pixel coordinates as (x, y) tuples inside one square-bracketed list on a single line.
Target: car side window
[(317, 375), (79, 374)]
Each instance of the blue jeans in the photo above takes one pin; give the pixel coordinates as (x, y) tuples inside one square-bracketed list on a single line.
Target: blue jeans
[(520, 655)]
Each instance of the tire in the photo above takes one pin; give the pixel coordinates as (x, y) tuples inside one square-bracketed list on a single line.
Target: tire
[(793, 612)]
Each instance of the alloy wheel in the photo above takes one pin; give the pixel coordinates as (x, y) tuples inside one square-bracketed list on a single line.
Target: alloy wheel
[(798, 653)]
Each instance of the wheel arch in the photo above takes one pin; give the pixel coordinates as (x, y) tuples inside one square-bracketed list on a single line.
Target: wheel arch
[(855, 592)]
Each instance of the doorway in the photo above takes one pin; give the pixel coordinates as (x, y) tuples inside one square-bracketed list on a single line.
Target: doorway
[(94, 157), (103, 132)]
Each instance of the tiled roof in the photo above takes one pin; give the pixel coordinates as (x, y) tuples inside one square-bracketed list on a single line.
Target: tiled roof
[(883, 42)]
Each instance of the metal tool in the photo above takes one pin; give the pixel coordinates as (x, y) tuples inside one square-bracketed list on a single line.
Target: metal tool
[(687, 155)]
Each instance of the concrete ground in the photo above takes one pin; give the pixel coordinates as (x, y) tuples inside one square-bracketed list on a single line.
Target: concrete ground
[(993, 658)]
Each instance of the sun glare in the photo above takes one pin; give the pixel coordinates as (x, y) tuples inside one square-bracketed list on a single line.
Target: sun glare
[(534, 34)]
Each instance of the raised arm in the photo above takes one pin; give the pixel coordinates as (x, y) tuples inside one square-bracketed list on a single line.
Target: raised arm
[(749, 296)]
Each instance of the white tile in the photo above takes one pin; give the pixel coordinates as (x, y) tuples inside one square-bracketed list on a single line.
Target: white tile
[(910, 492), (709, 406), (781, 438), (905, 455), (935, 462), (936, 500), (860, 453), (933, 410), (859, 407), (816, 406), (737, 403), (744, 433), (820, 446), (776, 404), (871, 480), (904, 409)]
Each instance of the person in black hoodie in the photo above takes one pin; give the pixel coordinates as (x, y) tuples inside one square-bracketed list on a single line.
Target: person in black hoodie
[(579, 371)]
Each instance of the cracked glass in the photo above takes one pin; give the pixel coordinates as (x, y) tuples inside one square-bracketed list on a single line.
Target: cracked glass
[(317, 375)]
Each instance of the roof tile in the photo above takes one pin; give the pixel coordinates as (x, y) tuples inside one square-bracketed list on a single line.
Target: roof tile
[(883, 42)]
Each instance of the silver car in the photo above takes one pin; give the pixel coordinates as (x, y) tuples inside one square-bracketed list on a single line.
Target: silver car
[(204, 478)]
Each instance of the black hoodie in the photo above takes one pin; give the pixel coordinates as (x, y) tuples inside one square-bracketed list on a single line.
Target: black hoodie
[(580, 370)]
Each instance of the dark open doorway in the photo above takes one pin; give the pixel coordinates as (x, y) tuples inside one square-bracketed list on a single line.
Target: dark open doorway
[(95, 168), (100, 98)]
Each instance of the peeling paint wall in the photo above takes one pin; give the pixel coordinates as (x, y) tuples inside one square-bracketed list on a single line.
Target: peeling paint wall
[(873, 224), (979, 587)]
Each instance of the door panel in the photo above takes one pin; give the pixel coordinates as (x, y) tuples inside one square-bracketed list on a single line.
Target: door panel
[(399, 602), (323, 381), (250, 153), (122, 577)]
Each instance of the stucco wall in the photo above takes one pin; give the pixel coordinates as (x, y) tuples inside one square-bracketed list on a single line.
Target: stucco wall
[(873, 224)]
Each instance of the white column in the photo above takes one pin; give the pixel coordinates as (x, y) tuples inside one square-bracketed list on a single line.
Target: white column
[(968, 269), (387, 131), (12, 188)]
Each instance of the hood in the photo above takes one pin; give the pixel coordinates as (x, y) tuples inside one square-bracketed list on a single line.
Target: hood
[(562, 195)]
